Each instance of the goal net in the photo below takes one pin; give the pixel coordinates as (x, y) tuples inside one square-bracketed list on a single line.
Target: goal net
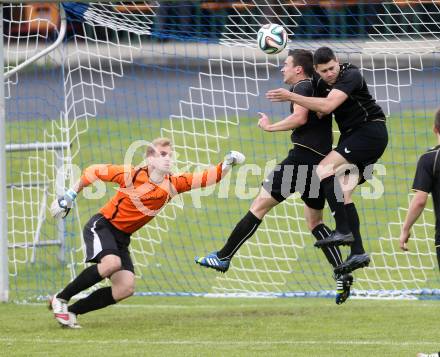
[(119, 74)]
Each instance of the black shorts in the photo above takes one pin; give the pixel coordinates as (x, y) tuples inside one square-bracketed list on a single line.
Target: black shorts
[(102, 238), (297, 173), (364, 146)]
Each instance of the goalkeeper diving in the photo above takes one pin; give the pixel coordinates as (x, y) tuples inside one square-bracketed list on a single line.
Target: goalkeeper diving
[(142, 193)]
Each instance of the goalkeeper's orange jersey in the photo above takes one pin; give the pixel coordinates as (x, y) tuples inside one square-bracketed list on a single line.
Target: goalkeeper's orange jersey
[(138, 200)]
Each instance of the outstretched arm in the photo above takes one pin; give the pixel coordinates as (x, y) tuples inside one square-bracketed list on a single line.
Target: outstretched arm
[(190, 181), (119, 174), (415, 209), (323, 105), (110, 173)]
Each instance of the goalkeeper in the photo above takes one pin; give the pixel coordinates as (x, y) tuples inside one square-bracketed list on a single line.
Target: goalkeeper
[(426, 181), (312, 140), (142, 193)]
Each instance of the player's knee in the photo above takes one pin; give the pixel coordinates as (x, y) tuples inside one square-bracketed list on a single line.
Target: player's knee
[(126, 292), (109, 265), (262, 204), (324, 170), (123, 291), (129, 291)]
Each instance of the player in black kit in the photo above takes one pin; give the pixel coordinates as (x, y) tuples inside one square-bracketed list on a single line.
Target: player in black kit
[(363, 140), (426, 180), (312, 140)]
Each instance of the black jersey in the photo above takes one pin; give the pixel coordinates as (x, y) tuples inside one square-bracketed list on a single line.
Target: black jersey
[(427, 179), (316, 134), (360, 106)]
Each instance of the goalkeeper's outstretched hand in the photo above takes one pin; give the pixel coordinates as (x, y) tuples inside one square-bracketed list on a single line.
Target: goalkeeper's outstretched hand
[(233, 158), (61, 206)]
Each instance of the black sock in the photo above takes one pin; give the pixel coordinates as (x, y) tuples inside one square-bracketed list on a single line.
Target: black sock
[(333, 254), (335, 198), (437, 248), (353, 221), (242, 232), (97, 300), (86, 279)]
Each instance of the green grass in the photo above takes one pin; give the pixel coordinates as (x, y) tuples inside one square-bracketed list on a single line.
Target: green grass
[(227, 327), (279, 258)]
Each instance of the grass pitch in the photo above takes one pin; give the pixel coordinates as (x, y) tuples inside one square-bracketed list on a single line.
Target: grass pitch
[(272, 261), (191, 326)]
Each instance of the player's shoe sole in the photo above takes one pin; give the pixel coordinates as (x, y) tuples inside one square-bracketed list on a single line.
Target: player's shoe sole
[(335, 239), (354, 262), (213, 262)]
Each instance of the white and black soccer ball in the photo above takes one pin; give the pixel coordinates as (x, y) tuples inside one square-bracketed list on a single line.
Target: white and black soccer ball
[(272, 38)]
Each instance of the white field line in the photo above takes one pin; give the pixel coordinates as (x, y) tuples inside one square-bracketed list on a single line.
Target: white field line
[(164, 306), (213, 306), (213, 343)]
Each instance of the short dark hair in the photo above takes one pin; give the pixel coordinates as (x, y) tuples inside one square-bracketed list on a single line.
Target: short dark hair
[(303, 58), (323, 55), (437, 119)]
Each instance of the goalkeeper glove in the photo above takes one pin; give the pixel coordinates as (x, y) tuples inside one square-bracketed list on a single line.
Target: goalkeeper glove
[(232, 158), (61, 206)]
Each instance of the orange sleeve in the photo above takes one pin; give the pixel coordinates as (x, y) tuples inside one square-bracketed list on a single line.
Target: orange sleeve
[(108, 173), (189, 181)]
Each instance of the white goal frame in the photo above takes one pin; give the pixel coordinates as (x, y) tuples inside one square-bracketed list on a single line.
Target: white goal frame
[(4, 270)]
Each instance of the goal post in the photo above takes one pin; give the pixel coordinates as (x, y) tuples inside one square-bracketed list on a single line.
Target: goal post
[(4, 271), (24, 147), (44, 52)]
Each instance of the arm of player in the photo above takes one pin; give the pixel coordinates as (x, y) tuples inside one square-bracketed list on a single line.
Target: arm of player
[(323, 105), (293, 121), (61, 206), (190, 181), (415, 209)]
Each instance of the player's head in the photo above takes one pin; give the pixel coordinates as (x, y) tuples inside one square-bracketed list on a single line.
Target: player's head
[(437, 122), (298, 65), (160, 155), (326, 64)]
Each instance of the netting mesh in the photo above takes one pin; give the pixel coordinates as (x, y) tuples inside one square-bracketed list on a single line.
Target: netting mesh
[(125, 72)]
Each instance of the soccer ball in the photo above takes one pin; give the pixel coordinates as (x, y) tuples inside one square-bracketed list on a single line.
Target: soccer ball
[(272, 38)]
